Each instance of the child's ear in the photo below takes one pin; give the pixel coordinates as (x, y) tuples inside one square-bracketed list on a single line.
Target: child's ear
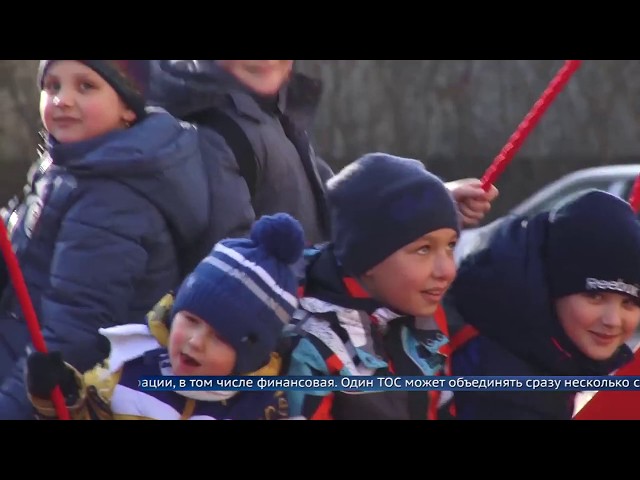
[(129, 116)]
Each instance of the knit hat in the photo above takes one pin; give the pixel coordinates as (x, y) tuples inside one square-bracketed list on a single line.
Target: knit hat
[(594, 244), (246, 289), (379, 204), (129, 78)]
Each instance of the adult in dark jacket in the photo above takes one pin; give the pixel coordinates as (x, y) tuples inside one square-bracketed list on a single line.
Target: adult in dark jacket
[(274, 114), (554, 296), (275, 108), (119, 192)]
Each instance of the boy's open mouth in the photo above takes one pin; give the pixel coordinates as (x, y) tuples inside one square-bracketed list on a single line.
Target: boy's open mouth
[(188, 360)]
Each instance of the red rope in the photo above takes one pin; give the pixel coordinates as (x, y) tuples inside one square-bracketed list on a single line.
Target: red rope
[(526, 126), (29, 313)]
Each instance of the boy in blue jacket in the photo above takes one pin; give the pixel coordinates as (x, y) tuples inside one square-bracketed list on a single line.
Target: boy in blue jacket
[(117, 198)]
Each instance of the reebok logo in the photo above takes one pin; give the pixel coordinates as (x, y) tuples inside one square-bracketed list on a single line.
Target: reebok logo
[(618, 286)]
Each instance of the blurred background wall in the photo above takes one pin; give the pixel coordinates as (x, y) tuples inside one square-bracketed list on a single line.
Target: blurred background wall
[(455, 115)]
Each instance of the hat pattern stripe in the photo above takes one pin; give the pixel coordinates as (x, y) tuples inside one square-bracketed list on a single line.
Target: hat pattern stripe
[(241, 276), (260, 272), (275, 295), (249, 274)]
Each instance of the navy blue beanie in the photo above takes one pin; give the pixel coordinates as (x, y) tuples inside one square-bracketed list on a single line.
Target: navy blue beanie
[(129, 78), (246, 289), (379, 204), (593, 243)]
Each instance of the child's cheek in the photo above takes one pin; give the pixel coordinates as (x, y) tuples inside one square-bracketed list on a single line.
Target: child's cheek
[(176, 342)]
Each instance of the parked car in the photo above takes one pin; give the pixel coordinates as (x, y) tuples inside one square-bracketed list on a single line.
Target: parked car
[(616, 179)]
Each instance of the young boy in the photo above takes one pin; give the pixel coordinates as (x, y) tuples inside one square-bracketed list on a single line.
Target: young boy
[(371, 293), (226, 320), (557, 295), (113, 205)]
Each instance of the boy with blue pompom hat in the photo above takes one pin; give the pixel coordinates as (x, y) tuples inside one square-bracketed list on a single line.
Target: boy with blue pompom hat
[(226, 319)]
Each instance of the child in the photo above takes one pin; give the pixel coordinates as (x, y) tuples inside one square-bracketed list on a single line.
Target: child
[(119, 195), (226, 320), (554, 296), (371, 293)]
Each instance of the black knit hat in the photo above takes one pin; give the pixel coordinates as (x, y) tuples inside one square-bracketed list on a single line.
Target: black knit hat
[(129, 78), (380, 203), (594, 244)]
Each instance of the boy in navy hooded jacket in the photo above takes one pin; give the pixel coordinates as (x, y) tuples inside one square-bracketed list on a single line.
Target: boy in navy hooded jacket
[(557, 295), (118, 197)]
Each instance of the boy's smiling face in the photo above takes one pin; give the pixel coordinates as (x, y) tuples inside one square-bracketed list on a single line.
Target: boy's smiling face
[(196, 349), (77, 104), (598, 323), (414, 279)]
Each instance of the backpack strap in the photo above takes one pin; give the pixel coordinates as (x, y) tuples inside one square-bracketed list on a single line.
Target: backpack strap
[(236, 139)]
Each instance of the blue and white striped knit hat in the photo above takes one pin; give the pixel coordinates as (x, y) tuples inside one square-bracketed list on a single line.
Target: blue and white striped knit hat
[(246, 289)]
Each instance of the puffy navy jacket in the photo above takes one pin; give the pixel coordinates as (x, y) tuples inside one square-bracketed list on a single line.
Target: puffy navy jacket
[(99, 238)]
